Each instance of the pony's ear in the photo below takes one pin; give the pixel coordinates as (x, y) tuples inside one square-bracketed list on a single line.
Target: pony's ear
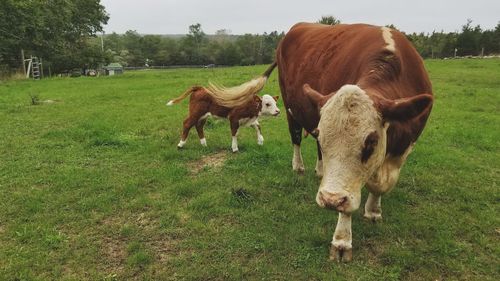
[(315, 97), (276, 98), (405, 108)]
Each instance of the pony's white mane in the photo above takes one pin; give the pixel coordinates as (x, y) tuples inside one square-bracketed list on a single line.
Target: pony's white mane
[(238, 95)]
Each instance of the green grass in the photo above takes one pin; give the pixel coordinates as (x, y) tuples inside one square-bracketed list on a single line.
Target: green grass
[(92, 187)]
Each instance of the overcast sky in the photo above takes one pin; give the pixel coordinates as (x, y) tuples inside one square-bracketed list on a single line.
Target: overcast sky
[(258, 16)]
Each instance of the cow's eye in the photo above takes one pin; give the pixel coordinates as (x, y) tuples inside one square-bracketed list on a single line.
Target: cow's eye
[(268, 104), (369, 146)]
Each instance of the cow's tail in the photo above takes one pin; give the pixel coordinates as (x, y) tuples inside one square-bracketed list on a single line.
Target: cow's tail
[(239, 95), (188, 92)]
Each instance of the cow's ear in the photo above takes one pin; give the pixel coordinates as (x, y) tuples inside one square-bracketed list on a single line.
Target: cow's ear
[(405, 108), (314, 96), (257, 98), (276, 98)]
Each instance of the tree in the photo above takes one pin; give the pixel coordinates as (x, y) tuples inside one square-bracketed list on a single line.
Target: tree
[(193, 42), (48, 29), (468, 40), (329, 20)]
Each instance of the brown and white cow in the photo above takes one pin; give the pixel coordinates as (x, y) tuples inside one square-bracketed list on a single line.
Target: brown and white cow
[(363, 92), (223, 103)]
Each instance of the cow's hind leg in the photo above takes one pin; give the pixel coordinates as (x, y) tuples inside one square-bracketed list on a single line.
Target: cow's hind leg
[(384, 179), (296, 135), (199, 129), (187, 125), (235, 125)]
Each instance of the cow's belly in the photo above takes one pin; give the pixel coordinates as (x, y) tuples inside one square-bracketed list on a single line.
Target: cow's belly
[(248, 121)]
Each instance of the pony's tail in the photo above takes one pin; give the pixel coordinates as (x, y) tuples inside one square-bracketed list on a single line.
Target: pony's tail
[(239, 95), (184, 95)]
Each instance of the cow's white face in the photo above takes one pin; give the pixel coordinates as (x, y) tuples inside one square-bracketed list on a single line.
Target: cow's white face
[(353, 139), (352, 136), (269, 106)]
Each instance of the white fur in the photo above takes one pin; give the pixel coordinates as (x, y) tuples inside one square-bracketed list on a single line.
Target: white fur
[(387, 174), (181, 144), (170, 103), (269, 106), (386, 33), (260, 139), (234, 144), (297, 163), (346, 120), (342, 238), (205, 116), (203, 142), (248, 121), (373, 207)]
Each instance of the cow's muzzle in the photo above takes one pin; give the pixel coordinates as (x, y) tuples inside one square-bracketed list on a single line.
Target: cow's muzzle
[(334, 201)]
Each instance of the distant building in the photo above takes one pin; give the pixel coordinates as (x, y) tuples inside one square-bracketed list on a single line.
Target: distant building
[(114, 68)]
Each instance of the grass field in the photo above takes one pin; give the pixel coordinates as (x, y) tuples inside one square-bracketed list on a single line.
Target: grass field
[(92, 187)]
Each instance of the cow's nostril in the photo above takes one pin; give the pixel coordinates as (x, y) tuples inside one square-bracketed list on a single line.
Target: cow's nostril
[(341, 201)]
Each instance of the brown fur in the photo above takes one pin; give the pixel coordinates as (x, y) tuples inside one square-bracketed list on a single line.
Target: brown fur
[(202, 103), (327, 58)]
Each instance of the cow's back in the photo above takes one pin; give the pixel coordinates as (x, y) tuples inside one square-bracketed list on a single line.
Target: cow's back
[(328, 57)]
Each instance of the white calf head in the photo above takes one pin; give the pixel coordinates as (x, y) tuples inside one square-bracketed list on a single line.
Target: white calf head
[(352, 135), (269, 106)]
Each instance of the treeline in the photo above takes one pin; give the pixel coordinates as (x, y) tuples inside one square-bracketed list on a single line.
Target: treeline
[(58, 31), (470, 41), (196, 48), (66, 34)]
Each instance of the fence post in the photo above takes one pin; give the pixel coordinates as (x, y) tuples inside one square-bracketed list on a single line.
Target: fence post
[(22, 59)]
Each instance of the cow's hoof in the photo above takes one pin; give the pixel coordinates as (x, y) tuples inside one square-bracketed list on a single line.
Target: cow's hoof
[(300, 170), (235, 150), (180, 147), (373, 217), (340, 254)]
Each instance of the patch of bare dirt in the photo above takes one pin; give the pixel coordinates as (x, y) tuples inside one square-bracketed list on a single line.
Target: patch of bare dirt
[(115, 252), (163, 248), (211, 161)]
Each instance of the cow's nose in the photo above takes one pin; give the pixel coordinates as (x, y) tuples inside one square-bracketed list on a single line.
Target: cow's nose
[(333, 201), (277, 112)]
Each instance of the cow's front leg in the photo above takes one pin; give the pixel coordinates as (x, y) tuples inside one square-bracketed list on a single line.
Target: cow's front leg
[(260, 138), (373, 208), (341, 248), (296, 135), (234, 132)]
